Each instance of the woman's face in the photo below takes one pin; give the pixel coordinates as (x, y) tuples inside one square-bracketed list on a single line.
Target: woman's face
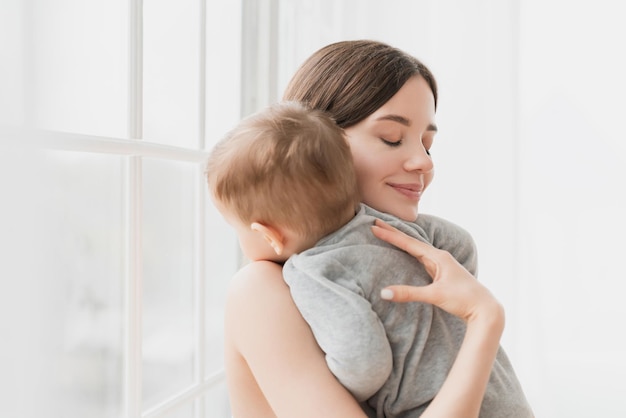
[(390, 150)]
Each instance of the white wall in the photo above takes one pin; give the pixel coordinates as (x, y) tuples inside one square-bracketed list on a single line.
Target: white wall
[(572, 188)]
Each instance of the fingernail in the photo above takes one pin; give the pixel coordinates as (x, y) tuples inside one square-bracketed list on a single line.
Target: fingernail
[(386, 294)]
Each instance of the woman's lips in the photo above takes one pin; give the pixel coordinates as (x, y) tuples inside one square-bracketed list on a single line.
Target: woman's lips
[(412, 191)]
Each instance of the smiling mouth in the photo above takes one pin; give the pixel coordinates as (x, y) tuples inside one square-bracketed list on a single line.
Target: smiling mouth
[(413, 191)]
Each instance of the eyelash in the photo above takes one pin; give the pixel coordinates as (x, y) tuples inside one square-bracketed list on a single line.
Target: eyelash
[(391, 143), (397, 144)]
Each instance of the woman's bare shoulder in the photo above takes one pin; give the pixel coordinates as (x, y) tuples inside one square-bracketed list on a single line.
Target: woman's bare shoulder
[(257, 280), (257, 296)]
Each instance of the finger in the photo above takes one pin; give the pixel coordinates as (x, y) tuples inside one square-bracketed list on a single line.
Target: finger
[(404, 293), (399, 239), (425, 253), (384, 225)]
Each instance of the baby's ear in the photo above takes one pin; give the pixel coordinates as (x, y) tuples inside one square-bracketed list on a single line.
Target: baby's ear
[(271, 235)]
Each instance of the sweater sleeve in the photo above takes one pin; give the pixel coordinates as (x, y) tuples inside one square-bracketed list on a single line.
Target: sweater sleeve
[(346, 328)]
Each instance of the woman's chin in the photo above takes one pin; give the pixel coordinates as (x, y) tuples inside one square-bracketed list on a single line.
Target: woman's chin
[(408, 213)]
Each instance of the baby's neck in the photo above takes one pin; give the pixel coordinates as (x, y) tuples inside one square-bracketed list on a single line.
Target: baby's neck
[(304, 243)]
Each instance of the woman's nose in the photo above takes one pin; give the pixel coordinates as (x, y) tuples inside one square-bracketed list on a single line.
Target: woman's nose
[(419, 160)]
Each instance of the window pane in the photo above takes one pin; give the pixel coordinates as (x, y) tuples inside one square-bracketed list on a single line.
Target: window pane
[(183, 411), (168, 239), (216, 402), (11, 70), (80, 299), (223, 68), (221, 262), (75, 55), (171, 71)]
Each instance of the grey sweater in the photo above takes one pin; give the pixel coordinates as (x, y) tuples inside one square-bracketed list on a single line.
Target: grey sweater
[(393, 357)]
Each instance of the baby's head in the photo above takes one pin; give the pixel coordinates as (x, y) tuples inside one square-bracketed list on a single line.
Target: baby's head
[(283, 176)]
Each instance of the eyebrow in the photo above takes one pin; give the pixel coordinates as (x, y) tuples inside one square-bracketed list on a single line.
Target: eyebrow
[(404, 121)]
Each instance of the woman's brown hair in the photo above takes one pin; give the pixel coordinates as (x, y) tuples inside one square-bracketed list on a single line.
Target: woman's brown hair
[(352, 79)]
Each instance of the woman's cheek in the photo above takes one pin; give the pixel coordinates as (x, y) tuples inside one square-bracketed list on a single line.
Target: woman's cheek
[(428, 178), (364, 168)]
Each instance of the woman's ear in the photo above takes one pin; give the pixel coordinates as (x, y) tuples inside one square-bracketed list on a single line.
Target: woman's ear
[(271, 235)]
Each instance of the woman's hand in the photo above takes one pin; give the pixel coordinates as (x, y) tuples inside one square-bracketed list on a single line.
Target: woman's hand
[(453, 289)]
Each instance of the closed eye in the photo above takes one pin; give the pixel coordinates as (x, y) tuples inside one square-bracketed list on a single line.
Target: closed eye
[(391, 143)]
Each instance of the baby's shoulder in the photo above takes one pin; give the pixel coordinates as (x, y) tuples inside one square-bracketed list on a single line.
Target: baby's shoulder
[(439, 229)]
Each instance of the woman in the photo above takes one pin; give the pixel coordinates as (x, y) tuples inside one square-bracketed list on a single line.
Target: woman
[(385, 100)]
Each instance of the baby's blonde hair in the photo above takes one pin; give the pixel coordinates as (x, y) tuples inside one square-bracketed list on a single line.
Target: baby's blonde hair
[(288, 166)]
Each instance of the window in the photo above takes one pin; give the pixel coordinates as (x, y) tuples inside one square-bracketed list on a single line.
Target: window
[(125, 295)]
